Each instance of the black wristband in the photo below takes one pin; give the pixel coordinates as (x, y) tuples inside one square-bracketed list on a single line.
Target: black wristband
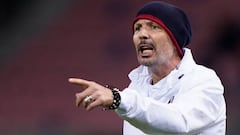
[(116, 98)]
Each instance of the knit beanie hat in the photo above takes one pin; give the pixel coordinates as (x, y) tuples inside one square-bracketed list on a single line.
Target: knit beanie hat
[(171, 18)]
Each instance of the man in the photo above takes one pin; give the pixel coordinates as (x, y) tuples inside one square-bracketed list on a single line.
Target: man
[(169, 93)]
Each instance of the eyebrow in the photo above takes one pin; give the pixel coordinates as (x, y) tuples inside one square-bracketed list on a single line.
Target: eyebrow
[(151, 23), (137, 25)]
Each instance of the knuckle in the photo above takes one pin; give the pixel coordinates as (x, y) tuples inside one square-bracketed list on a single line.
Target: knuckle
[(101, 100), (79, 96), (92, 82), (98, 93)]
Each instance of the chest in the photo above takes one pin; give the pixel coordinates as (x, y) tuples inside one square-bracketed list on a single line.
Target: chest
[(164, 92)]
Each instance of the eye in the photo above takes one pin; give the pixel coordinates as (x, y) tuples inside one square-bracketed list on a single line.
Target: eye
[(137, 28), (154, 27)]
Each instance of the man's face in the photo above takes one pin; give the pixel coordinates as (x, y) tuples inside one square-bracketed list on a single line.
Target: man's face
[(153, 45)]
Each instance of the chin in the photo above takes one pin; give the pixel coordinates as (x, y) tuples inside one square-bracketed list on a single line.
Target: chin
[(145, 63)]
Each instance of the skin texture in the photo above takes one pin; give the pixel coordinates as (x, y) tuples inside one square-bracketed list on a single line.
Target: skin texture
[(154, 49), (162, 56), (101, 95)]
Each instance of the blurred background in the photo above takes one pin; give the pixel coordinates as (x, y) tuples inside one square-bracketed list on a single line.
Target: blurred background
[(44, 42)]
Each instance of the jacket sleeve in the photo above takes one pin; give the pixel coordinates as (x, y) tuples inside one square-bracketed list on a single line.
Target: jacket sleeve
[(190, 112)]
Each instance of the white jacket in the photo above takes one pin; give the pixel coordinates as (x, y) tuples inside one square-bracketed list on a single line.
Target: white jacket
[(188, 101)]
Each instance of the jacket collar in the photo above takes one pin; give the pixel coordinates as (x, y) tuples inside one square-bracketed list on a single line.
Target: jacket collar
[(186, 65)]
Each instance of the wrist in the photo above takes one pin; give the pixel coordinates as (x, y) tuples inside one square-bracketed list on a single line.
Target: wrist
[(116, 98)]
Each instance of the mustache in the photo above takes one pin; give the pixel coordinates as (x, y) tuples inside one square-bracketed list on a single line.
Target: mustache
[(145, 44)]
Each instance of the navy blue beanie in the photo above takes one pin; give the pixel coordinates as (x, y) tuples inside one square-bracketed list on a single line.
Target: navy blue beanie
[(173, 20)]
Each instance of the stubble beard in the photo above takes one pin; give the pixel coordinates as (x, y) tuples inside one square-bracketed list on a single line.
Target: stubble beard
[(152, 61), (146, 62)]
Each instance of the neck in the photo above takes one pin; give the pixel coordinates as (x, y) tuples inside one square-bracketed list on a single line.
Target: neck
[(160, 71)]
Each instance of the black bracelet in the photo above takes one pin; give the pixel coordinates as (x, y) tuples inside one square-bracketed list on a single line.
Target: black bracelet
[(116, 98)]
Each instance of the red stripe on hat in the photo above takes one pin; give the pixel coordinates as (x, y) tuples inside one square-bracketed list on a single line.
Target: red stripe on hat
[(158, 21)]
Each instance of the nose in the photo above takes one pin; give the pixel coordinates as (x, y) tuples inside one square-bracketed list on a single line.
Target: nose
[(143, 34)]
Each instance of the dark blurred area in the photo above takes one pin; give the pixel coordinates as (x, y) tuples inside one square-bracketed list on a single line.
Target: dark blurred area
[(44, 42)]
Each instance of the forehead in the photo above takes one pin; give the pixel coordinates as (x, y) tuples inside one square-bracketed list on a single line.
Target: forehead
[(144, 21)]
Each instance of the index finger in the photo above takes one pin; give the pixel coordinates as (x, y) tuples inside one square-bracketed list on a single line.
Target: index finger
[(83, 83)]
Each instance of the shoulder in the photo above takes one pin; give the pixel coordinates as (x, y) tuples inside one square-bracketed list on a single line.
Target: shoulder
[(195, 73), (203, 79), (203, 72)]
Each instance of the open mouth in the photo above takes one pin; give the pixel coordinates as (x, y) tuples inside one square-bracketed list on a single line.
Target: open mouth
[(145, 50)]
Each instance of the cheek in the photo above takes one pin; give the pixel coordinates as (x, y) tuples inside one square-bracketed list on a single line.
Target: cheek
[(135, 40), (162, 42)]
